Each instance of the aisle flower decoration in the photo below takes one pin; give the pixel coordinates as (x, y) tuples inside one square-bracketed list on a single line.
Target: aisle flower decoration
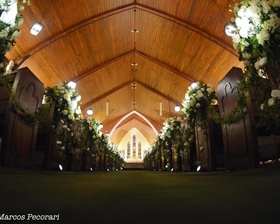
[(270, 116), (256, 37), (67, 111), (10, 22), (198, 99), (196, 102)]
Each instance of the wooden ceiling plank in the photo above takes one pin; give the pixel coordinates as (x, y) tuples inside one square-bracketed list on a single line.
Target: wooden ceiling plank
[(188, 26), (74, 28)]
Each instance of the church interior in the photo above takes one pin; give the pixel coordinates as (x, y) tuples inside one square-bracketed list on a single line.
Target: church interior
[(133, 65)]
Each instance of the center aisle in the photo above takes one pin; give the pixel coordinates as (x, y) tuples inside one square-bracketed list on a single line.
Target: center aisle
[(144, 196)]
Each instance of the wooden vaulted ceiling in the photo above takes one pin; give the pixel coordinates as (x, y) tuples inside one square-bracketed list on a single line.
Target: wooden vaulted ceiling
[(91, 42)]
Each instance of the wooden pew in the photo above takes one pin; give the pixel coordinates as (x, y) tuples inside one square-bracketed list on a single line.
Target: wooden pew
[(244, 145), (19, 139)]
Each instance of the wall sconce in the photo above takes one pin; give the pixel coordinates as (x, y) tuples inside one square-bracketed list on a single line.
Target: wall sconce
[(72, 84), (230, 29), (177, 108), (100, 126), (36, 28), (89, 112)]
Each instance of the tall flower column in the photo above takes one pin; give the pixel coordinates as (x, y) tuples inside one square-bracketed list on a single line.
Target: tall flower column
[(197, 103), (256, 37)]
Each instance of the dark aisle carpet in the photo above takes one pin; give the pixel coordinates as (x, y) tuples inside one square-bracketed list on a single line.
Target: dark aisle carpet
[(145, 197)]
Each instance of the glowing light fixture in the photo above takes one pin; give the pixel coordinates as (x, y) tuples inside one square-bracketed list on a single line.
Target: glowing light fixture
[(230, 29), (100, 126), (177, 108), (198, 168), (89, 112), (72, 84), (60, 167), (194, 85), (36, 28)]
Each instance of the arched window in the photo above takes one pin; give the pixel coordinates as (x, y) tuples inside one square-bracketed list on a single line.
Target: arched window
[(139, 150), (134, 147), (128, 150)]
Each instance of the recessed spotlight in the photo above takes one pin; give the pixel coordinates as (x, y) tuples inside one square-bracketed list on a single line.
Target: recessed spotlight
[(60, 167), (134, 31)]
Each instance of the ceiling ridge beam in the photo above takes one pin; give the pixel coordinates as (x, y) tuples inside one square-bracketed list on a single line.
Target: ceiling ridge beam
[(85, 74), (157, 92), (185, 76), (188, 26), (125, 84), (106, 94)]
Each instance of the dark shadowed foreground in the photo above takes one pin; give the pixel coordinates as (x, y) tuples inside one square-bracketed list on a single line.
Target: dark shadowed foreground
[(142, 196)]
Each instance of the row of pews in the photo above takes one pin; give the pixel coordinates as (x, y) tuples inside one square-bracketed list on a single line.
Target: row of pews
[(235, 146)]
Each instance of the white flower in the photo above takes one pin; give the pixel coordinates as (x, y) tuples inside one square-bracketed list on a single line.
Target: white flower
[(271, 102), (64, 112), (262, 106), (275, 93), (260, 63), (58, 142), (199, 94), (262, 36), (209, 90), (16, 34)]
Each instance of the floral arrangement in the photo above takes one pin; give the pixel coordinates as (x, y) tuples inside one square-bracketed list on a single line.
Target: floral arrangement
[(173, 138), (66, 113), (10, 21), (196, 102), (270, 113), (256, 37)]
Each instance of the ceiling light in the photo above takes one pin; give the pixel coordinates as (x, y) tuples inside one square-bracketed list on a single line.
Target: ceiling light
[(230, 29), (177, 108), (89, 112), (72, 84), (134, 63), (100, 126), (135, 31), (194, 85), (36, 28)]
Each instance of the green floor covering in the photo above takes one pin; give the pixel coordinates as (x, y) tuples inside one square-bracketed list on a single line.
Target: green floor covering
[(242, 197)]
